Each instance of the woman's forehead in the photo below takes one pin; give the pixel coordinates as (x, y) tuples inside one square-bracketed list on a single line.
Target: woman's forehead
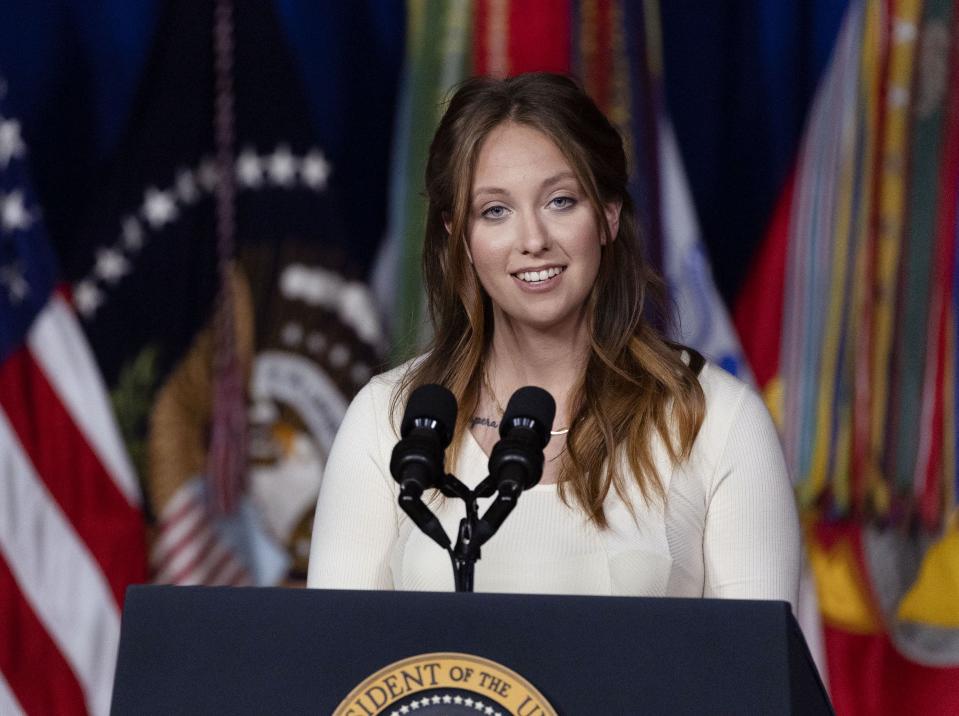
[(514, 155)]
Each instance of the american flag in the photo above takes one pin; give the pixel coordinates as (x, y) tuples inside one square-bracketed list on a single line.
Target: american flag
[(71, 526)]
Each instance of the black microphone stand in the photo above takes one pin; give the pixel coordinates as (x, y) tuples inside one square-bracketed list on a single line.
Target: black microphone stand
[(466, 551), (474, 531)]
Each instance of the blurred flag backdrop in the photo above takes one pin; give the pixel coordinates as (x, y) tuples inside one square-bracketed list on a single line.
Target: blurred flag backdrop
[(118, 181), (849, 319)]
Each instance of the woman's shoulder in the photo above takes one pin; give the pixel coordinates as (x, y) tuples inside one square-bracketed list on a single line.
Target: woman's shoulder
[(383, 386), (716, 382), (393, 376), (375, 404), (729, 401), (722, 389)]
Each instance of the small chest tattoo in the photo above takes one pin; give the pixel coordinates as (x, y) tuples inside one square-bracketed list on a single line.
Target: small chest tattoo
[(485, 422)]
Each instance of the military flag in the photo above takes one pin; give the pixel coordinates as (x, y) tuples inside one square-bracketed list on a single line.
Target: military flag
[(862, 376)]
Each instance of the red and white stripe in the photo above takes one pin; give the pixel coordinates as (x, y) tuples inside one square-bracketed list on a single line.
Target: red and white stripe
[(8, 704), (71, 530), (189, 548), (61, 350)]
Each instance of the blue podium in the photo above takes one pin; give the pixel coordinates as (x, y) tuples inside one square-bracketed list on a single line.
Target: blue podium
[(195, 650)]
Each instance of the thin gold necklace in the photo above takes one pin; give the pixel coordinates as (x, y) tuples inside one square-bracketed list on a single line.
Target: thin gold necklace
[(492, 395)]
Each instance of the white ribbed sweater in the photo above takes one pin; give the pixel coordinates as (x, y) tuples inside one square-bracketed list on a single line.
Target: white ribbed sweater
[(728, 527)]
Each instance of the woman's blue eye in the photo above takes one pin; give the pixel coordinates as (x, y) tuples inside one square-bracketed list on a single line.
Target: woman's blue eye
[(495, 212), (562, 202)]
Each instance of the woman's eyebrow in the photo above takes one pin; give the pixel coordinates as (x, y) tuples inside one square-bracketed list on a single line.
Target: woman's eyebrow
[(557, 178), (489, 190), (545, 184)]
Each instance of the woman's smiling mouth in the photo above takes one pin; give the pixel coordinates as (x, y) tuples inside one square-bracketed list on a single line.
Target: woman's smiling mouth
[(541, 276)]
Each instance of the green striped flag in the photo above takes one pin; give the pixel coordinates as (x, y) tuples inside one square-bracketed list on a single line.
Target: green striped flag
[(437, 59)]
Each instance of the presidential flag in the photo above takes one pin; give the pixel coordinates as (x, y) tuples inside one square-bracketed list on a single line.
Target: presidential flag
[(232, 229)]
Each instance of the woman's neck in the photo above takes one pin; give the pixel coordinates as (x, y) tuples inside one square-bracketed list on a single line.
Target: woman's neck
[(551, 359)]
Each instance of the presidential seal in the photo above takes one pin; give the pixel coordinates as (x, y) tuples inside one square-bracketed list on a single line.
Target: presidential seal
[(445, 683)]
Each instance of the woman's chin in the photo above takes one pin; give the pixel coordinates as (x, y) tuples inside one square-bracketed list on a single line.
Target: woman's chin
[(552, 324)]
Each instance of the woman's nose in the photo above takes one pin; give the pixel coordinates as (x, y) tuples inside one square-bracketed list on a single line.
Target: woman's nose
[(535, 235)]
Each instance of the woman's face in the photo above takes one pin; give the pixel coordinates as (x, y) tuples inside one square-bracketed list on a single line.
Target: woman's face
[(533, 237)]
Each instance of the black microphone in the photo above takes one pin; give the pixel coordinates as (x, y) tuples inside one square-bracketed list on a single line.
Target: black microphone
[(417, 460), (516, 463), (426, 430)]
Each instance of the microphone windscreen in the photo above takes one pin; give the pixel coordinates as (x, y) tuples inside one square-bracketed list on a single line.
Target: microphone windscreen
[(435, 402), (532, 403)]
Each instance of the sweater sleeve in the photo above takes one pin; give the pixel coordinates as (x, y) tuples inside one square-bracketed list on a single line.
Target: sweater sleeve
[(355, 524), (751, 541)]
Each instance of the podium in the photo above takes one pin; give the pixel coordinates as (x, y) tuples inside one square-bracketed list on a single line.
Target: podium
[(202, 650)]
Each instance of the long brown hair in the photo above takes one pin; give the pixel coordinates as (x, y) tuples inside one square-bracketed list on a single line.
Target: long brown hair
[(636, 385)]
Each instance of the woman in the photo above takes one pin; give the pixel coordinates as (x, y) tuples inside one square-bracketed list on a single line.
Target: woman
[(663, 476)]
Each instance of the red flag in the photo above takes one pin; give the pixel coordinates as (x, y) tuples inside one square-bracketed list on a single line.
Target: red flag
[(758, 312)]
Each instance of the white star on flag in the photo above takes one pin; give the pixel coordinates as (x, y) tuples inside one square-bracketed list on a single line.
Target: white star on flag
[(282, 166), (132, 234), (111, 265), (315, 170), (457, 700), (87, 298), (11, 144), (158, 207), (186, 188), (208, 175), (447, 699), (12, 277), (13, 214), (468, 702), (249, 169), (437, 699)]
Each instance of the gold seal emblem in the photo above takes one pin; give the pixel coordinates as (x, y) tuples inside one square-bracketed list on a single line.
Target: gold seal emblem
[(445, 683)]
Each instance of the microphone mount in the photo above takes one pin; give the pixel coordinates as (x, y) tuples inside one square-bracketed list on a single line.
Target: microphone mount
[(515, 465)]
